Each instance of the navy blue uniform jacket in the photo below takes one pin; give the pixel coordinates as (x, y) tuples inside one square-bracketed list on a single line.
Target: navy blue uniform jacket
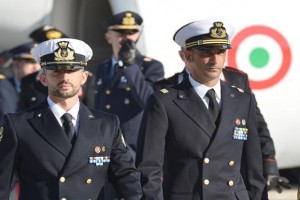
[(126, 93), (34, 145), (183, 155)]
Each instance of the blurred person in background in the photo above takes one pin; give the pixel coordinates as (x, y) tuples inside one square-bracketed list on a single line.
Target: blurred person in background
[(125, 80)]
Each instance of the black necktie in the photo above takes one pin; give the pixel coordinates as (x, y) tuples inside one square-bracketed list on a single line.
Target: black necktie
[(213, 106), (68, 126)]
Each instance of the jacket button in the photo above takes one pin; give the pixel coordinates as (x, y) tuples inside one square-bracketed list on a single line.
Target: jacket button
[(62, 179), (231, 163), (127, 89), (206, 181), (88, 181), (107, 92), (63, 199), (108, 106), (230, 183), (206, 160)]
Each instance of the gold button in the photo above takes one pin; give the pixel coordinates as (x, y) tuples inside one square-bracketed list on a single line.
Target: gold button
[(63, 199), (231, 163), (88, 181), (128, 89), (108, 106), (230, 183), (206, 182), (107, 92), (206, 160), (62, 179)]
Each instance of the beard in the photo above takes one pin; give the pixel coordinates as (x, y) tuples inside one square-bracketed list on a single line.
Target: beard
[(60, 93)]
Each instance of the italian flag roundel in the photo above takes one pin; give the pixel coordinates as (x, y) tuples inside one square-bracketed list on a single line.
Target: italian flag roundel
[(263, 53)]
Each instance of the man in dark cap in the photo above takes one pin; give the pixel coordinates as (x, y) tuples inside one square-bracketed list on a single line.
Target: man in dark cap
[(23, 64), (238, 78), (32, 91), (61, 149), (46, 32), (124, 81), (198, 140)]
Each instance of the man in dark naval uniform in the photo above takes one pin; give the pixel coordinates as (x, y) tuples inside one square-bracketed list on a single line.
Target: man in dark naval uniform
[(239, 79), (125, 81), (62, 149), (198, 140)]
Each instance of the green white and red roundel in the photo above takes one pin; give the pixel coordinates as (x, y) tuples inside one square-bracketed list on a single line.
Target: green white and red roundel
[(263, 53)]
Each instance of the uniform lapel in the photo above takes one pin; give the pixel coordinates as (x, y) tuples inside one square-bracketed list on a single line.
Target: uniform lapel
[(47, 126), (228, 110), (192, 105), (88, 130)]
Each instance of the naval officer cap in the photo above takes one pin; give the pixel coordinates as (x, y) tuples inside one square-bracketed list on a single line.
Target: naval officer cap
[(205, 34), (125, 22), (62, 54), (23, 51), (46, 32)]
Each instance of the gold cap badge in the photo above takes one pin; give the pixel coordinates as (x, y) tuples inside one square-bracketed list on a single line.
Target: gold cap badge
[(218, 31), (128, 19), (64, 53)]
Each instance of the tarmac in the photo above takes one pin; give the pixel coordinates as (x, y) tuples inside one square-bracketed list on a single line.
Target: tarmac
[(285, 195)]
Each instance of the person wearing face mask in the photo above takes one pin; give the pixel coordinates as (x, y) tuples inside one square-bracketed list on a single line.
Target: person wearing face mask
[(125, 80)]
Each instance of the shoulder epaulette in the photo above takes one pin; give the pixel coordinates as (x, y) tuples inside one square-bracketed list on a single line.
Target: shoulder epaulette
[(164, 91), (231, 69), (147, 59), (239, 89)]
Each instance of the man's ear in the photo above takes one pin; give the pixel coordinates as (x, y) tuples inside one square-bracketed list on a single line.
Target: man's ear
[(43, 78), (108, 37), (188, 55), (85, 76)]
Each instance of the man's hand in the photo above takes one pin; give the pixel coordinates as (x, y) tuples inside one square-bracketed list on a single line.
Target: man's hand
[(277, 183), (128, 52)]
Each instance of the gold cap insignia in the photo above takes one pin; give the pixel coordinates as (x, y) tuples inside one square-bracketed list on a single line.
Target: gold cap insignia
[(1, 133), (128, 19), (64, 53), (218, 31)]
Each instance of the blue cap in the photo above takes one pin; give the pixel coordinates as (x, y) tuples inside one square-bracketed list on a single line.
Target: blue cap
[(124, 22), (23, 51), (46, 32)]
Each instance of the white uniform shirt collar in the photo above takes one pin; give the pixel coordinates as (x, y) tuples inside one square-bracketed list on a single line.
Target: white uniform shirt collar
[(201, 90), (59, 112)]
